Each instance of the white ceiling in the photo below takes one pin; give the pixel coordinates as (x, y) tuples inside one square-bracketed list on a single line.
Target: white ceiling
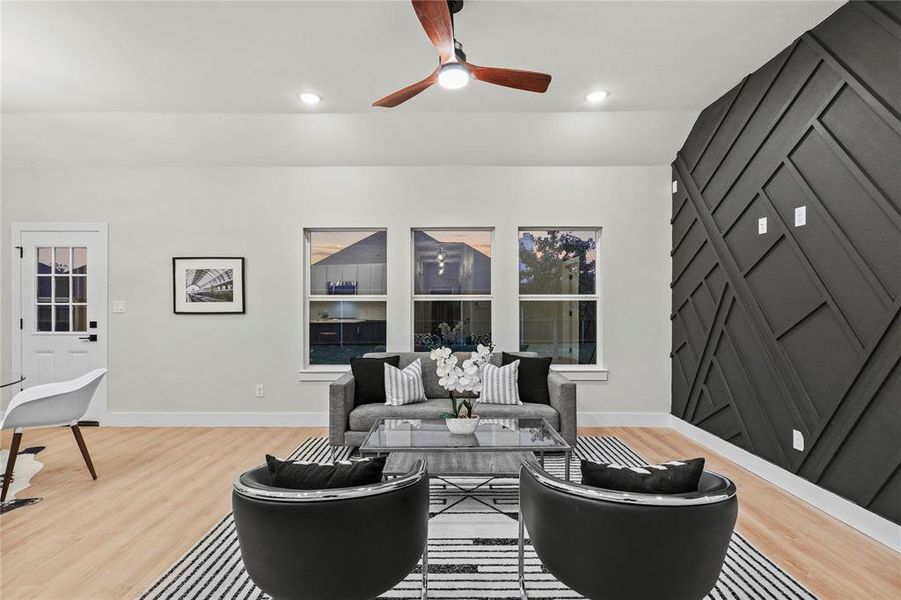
[(661, 61), (256, 56)]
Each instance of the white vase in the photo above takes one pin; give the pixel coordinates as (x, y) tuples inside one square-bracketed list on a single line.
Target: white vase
[(462, 426)]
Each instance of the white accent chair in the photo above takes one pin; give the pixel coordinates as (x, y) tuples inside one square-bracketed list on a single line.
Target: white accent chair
[(50, 405)]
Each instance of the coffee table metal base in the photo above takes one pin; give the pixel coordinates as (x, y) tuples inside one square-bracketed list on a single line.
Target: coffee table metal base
[(463, 464)]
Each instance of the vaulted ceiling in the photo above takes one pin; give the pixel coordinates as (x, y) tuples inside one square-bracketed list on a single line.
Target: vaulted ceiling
[(238, 67)]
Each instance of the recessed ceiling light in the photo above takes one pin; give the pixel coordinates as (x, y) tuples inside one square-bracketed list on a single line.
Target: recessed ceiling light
[(597, 96), (309, 98)]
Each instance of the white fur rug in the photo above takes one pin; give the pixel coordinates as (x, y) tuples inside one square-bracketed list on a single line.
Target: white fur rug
[(27, 466)]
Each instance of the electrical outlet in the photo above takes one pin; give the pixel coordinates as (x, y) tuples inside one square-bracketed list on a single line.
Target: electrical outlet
[(260, 392), (675, 186), (761, 225), (118, 306), (800, 216), (797, 440)]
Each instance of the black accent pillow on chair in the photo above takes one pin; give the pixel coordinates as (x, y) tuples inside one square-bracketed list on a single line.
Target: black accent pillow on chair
[(533, 372), (369, 379), (312, 476), (674, 477)]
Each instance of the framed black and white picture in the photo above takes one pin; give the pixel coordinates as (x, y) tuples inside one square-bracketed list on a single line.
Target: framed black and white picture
[(208, 285)]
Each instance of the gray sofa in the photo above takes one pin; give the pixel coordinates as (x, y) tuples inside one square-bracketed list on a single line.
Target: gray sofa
[(348, 426)]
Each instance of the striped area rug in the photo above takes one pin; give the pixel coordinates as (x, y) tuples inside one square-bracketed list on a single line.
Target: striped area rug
[(472, 546)]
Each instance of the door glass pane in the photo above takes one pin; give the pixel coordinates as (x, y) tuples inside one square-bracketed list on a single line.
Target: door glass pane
[(557, 261), (79, 289), (565, 330), (80, 318), (80, 260), (62, 289), (347, 263), (45, 260), (452, 261), (62, 318), (61, 260), (342, 330), (460, 325), (45, 319), (44, 288)]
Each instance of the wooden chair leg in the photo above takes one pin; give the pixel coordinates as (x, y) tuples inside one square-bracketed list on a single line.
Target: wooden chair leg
[(11, 464), (84, 450)]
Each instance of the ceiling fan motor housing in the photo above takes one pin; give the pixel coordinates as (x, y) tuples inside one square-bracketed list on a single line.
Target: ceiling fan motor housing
[(458, 50)]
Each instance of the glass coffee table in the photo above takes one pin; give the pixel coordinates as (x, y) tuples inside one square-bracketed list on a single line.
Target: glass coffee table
[(496, 449)]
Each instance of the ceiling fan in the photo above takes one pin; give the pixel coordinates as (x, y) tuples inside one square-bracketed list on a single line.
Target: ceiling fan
[(453, 70)]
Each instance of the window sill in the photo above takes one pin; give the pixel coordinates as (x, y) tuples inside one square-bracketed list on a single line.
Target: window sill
[(332, 372), (323, 373), (582, 373)]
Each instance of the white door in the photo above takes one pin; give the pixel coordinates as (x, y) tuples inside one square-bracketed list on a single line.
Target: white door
[(62, 304)]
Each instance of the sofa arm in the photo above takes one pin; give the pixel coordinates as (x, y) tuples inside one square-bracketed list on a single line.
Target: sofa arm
[(340, 403), (563, 400)]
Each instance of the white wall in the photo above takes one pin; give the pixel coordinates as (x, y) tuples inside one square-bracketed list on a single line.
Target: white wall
[(165, 363)]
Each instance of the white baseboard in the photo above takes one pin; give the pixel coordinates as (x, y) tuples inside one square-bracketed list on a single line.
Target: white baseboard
[(623, 419), (866, 522), (209, 419)]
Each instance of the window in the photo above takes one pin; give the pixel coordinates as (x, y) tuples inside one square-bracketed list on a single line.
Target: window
[(346, 295), (61, 302), (558, 294), (451, 288)]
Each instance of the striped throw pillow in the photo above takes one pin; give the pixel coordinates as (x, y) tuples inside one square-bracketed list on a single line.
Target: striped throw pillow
[(404, 386), (500, 385)]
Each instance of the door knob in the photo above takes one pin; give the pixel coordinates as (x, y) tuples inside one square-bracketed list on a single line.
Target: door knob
[(89, 338)]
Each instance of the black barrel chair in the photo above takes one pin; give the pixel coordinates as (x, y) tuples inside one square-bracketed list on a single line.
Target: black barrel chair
[(334, 544), (618, 545)]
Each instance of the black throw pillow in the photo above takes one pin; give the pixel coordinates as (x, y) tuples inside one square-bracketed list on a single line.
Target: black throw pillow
[(533, 372), (369, 379), (674, 477), (312, 476)]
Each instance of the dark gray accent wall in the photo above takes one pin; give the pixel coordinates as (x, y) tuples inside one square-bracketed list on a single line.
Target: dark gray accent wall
[(799, 327)]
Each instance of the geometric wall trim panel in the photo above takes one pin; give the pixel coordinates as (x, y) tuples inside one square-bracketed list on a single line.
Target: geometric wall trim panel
[(798, 327)]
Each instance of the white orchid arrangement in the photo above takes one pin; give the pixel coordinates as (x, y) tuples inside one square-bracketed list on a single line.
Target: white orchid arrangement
[(465, 378)]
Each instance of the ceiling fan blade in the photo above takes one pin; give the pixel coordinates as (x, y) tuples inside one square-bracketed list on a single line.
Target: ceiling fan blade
[(511, 78), (436, 20), (402, 95)]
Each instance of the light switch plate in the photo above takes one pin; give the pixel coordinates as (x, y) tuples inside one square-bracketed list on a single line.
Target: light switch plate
[(800, 216), (675, 186), (761, 225), (118, 306), (797, 440)]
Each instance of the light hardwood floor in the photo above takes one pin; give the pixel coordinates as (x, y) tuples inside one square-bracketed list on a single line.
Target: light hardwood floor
[(159, 490)]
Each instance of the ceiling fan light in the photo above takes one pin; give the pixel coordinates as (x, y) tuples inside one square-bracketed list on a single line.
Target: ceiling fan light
[(597, 96), (453, 76)]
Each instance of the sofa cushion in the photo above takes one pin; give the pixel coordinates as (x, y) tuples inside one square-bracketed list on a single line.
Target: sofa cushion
[(526, 410), (532, 381), (404, 386), (364, 417), (311, 476), (673, 477), (369, 376), (499, 384), (429, 376)]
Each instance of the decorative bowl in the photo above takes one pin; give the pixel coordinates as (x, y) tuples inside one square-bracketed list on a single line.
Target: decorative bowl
[(462, 426)]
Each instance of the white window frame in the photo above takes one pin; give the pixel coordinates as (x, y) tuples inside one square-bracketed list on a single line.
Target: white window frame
[(327, 372), (447, 297), (595, 371)]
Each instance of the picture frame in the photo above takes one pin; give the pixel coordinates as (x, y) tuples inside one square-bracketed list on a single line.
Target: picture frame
[(208, 285)]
